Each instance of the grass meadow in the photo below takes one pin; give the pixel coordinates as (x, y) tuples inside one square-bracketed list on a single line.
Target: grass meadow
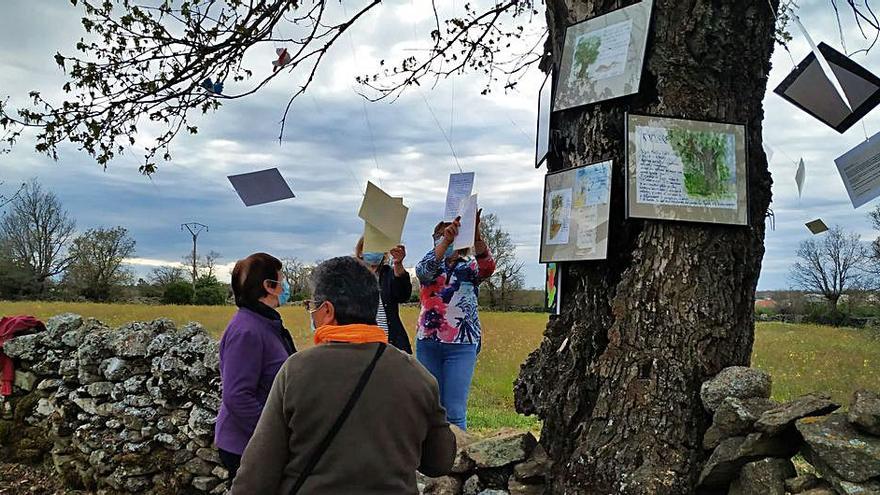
[(801, 358)]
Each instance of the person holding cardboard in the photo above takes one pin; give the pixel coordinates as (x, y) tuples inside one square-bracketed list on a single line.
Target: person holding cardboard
[(395, 288), (450, 334)]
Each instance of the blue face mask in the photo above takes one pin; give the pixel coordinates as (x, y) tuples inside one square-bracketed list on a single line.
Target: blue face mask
[(449, 251), (374, 259), (284, 297)]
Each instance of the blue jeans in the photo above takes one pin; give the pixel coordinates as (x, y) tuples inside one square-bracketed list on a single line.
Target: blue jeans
[(453, 367)]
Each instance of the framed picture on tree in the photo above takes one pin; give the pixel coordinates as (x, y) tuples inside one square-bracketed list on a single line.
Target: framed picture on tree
[(542, 135), (576, 212), (686, 170), (603, 57)]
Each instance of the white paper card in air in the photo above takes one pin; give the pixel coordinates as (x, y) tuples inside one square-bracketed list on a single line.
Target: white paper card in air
[(460, 188), (468, 229), (799, 177), (265, 186), (859, 169)]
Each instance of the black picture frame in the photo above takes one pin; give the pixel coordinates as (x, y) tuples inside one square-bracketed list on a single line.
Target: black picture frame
[(834, 58), (547, 85)]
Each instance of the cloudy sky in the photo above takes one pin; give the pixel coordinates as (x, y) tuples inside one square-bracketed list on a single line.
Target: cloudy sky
[(334, 143)]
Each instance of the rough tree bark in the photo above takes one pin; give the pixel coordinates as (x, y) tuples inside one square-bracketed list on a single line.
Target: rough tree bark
[(616, 379)]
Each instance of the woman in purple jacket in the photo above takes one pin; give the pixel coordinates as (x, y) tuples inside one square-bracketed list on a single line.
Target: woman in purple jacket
[(252, 350)]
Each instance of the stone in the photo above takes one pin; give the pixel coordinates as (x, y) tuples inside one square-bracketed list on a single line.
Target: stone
[(198, 467), (535, 468), (25, 347), (502, 450), (844, 487), (25, 380), (733, 453), (736, 381), (735, 417), (44, 408), (212, 356), (220, 472), (802, 483), (50, 384), (824, 488), (834, 443), (58, 325), (116, 369), (204, 483), (137, 401), (442, 486), (99, 389), (210, 455), (134, 385), (519, 488), (132, 339), (864, 412), (493, 491), (86, 404), (764, 477), (779, 418), (472, 486), (201, 421)]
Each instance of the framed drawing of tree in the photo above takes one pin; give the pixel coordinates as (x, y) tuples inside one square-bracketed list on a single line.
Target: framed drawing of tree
[(576, 212), (603, 57), (686, 170)]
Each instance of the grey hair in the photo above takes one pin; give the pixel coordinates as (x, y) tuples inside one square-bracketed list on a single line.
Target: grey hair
[(350, 285)]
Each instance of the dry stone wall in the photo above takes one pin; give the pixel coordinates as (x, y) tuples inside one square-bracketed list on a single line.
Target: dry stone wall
[(122, 410)]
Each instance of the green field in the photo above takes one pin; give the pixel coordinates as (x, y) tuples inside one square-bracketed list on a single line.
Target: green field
[(801, 358)]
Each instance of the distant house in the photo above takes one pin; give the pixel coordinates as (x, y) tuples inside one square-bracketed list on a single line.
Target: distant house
[(766, 303)]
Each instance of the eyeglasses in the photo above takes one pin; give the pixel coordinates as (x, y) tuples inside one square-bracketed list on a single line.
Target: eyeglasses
[(312, 305)]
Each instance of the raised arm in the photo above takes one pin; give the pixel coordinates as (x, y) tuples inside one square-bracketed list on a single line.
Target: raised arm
[(401, 285)]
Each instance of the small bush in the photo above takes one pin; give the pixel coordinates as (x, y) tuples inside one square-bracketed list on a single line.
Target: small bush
[(178, 293), (210, 292)]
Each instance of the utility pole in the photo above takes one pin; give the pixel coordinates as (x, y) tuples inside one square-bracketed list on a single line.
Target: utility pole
[(194, 229)]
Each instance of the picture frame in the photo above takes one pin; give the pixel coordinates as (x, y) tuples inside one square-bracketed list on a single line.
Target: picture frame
[(808, 88), (577, 207), (697, 173), (603, 57), (552, 289), (542, 131)]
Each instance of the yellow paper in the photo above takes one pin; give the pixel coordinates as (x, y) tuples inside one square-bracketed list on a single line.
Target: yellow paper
[(377, 242), (384, 213)]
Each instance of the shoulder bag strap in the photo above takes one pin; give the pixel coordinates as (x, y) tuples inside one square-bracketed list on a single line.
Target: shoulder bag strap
[(346, 411)]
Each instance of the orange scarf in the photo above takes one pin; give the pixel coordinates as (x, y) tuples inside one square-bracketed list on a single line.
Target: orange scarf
[(352, 334)]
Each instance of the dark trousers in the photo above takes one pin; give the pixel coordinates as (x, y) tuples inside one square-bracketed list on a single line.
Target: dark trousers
[(231, 462)]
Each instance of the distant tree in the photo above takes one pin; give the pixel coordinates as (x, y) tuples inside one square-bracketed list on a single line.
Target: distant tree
[(508, 277), (97, 258), (178, 293), (210, 292), (16, 280), (5, 199), (164, 276), (831, 266), (209, 264), (874, 250), (36, 231), (297, 275)]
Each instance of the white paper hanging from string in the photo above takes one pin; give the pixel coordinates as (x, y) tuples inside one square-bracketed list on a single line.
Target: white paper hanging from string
[(799, 177), (768, 150)]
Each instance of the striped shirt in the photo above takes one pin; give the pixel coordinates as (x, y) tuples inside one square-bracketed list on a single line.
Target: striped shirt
[(381, 318)]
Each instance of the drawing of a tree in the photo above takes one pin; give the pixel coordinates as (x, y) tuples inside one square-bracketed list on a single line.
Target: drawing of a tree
[(586, 53), (555, 214), (704, 156)]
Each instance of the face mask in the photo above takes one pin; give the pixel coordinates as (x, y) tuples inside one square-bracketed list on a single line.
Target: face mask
[(449, 251), (312, 324), (284, 297), (374, 259)]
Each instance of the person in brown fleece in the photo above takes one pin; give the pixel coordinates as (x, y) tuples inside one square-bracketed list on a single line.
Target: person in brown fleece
[(345, 416)]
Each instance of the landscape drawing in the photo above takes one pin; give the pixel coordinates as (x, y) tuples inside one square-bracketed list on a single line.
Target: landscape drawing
[(708, 163), (559, 211)]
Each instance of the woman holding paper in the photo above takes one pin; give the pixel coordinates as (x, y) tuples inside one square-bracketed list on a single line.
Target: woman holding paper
[(395, 288), (450, 335)]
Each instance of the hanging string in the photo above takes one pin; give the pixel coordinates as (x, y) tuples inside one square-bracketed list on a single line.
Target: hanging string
[(442, 131), (363, 104), (776, 22)]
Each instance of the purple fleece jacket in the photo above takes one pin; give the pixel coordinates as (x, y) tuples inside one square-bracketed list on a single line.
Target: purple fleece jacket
[(251, 353)]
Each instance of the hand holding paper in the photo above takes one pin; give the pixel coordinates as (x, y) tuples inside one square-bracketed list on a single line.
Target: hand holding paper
[(467, 234)]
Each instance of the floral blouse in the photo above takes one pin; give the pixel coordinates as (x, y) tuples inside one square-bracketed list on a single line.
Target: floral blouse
[(449, 298)]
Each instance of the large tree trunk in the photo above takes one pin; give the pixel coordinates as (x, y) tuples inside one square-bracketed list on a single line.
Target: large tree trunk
[(617, 377)]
